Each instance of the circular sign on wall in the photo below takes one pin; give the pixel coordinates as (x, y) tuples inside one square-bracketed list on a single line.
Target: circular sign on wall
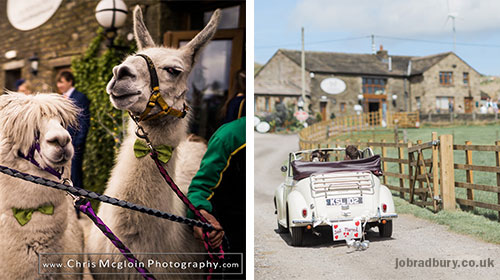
[(333, 85), (30, 14)]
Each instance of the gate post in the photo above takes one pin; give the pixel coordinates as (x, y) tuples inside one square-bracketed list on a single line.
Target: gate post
[(447, 172), (435, 172)]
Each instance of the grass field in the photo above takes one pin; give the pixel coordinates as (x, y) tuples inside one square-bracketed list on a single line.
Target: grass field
[(477, 134)]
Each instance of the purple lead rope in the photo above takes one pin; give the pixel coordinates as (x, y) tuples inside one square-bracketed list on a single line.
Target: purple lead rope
[(191, 207), (86, 208)]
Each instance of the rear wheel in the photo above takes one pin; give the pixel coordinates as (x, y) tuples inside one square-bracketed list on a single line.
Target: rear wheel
[(296, 232), (385, 230), (297, 235), (281, 229)]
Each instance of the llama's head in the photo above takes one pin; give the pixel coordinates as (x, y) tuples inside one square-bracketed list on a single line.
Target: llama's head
[(130, 87), (26, 119)]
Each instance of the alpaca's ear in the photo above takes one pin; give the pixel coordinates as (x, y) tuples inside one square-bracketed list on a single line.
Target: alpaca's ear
[(142, 36), (194, 46)]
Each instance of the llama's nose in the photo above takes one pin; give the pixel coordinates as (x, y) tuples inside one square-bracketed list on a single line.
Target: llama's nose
[(122, 72), (60, 139)]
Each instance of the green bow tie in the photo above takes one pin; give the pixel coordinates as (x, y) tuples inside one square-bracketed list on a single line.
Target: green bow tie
[(23, 216), (142, 150)]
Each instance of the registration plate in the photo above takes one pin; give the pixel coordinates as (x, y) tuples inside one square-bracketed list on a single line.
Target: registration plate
[(344, 201)]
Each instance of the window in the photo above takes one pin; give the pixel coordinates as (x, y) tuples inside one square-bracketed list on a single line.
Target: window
[(445, 78), (267, 104), (374, 85), (466, 78), (342, 107), (419, 104), (11, 76), (213, 79), (444, 104)]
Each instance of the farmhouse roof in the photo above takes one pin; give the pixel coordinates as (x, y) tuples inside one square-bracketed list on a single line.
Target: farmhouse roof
[(368, 64)]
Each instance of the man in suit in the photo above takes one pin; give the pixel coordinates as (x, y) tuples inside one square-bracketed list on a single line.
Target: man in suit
[(65, 85)]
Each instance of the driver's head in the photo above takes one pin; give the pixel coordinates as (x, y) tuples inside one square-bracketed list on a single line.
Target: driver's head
[(351, 152)]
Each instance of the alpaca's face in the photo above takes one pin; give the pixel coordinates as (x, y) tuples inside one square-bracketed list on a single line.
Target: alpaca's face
[(130, 87), (56, 149)]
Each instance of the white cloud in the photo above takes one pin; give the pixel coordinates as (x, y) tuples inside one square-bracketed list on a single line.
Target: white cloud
[(393, 17)]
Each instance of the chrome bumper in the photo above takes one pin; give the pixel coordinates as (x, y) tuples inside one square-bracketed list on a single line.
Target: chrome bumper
[(370, 219)]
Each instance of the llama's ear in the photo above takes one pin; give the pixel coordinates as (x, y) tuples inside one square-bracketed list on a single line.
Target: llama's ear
[(142, 36), (199, 41)]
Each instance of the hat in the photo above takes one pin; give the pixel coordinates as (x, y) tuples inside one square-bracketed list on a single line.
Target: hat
[(19, 83)]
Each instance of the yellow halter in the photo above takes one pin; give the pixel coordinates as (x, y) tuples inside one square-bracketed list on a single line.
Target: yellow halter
[(156, 98)]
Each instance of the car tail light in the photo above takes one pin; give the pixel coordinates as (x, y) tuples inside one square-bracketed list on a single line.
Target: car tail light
[(304, 212), (384, 207)]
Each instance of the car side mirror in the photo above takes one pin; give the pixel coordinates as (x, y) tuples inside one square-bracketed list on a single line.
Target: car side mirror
[(284, 168)]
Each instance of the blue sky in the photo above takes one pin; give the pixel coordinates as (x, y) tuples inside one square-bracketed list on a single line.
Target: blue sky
[(403, 27)]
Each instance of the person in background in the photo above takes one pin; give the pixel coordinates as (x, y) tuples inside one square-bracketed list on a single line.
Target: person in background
[(23, 86), (65, 85), (234, 107), (351, 152)]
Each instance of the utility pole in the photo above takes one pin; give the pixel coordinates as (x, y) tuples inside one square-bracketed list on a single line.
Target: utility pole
[(374, 51), (303, 70)]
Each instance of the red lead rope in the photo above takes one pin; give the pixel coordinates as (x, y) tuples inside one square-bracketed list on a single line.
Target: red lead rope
[(191, 207)]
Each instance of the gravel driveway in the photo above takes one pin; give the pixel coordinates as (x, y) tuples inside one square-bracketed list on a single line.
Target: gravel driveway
[(414, 242)]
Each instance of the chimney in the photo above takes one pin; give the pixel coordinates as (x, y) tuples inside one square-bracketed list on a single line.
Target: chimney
[(382, 54)]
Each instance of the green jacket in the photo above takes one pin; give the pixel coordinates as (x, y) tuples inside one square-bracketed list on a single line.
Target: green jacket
[(226, 146)]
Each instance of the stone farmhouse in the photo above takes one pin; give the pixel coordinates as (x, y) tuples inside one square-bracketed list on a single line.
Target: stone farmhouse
[(337, 82)]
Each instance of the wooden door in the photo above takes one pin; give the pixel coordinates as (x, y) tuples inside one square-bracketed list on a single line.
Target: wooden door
[(322, 109), (468, 104)]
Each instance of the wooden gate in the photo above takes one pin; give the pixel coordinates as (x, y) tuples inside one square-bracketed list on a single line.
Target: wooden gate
[(425, 173)]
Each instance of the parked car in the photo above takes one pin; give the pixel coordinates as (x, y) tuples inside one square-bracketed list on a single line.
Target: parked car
[(320, 192)]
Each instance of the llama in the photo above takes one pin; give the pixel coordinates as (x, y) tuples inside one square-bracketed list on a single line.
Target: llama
[(137, 179), (23, 117)]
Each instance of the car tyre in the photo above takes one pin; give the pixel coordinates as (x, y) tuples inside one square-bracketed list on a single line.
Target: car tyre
[(385, 230), (297, 235), (281, 229)]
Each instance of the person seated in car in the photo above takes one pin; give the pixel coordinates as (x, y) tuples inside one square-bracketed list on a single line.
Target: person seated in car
[(351, 152), (318, 156)]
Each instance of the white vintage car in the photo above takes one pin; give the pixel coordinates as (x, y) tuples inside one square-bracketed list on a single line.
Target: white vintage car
[(325, 193)]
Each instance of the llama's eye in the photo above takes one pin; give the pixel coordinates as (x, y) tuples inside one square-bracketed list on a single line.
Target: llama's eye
[(172, 71)]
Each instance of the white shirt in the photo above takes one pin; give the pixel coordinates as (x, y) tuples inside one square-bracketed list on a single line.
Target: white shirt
[(68, 93)]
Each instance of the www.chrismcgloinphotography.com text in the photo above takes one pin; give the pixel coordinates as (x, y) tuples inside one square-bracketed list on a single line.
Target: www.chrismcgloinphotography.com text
[(233, 264), (445, 263)]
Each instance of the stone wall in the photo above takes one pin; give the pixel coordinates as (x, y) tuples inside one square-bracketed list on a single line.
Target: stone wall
[(65, 34), (73, 26), (279, 80), (428, 87)]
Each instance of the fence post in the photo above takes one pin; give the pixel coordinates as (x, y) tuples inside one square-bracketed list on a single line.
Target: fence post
[(435, 172), (396, 133), (337, 145), (497, 155), (384, 164), (411, 180), (420, 170), (469, 175), (327, 132), (447, 172), (401, 168)]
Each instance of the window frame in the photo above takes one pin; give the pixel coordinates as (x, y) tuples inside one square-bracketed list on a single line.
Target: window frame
[(466, 78), (375, 84), (444, 80), (173, 39)]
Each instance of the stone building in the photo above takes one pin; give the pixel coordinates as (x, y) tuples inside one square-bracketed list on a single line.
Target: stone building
[(69, 26), (337, 82)]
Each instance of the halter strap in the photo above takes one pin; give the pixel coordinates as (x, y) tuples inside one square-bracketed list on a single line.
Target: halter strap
[(31, 158), (156, 98)]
